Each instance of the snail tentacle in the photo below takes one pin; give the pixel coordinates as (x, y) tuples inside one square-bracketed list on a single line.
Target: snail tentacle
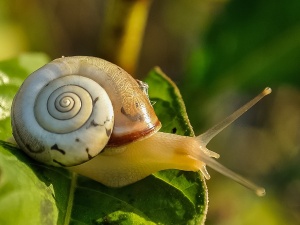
[(91, 116)]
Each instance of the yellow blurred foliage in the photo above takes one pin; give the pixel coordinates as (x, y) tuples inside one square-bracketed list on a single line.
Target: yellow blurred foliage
[(12, 40)]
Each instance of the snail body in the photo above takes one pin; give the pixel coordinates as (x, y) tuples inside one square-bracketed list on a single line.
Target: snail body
[(91, 116)]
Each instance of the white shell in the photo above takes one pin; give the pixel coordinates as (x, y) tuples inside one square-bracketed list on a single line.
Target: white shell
[(67, 111), (64, 121)]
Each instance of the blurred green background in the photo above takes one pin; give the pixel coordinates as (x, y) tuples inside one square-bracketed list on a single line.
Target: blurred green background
[(220, 53)]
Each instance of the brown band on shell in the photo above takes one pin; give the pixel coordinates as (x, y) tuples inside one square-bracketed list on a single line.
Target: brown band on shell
[(123, 139), (134, 116)]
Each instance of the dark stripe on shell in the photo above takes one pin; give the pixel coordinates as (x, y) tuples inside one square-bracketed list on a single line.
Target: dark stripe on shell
[(95, 100), (94, 124), (59, 163), (108, 132), (55, 147), (87, 151), (136, 117)]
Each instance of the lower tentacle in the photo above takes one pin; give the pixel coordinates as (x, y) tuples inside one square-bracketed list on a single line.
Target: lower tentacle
[(206, 155)]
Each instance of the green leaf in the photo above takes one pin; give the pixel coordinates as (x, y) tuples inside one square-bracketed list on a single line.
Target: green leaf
[(48, 195), (24, 196), (12, 74), (168, 104)]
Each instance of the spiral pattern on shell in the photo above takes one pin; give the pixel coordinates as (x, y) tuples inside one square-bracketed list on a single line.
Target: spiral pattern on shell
[(69, 122), (66, 112)]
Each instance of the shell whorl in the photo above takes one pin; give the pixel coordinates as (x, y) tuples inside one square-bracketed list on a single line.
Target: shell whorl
[(66, 112)]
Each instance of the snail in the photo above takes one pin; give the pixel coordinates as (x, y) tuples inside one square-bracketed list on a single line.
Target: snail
[(92, 117)]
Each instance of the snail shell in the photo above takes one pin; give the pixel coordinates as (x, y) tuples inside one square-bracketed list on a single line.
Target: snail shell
[(69, 110)]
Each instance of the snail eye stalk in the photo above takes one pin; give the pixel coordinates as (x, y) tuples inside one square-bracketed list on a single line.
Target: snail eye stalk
[(212, 132), (206, 137)]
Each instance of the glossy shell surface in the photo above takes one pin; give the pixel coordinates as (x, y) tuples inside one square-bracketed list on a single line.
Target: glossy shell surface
[(67, 111)]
